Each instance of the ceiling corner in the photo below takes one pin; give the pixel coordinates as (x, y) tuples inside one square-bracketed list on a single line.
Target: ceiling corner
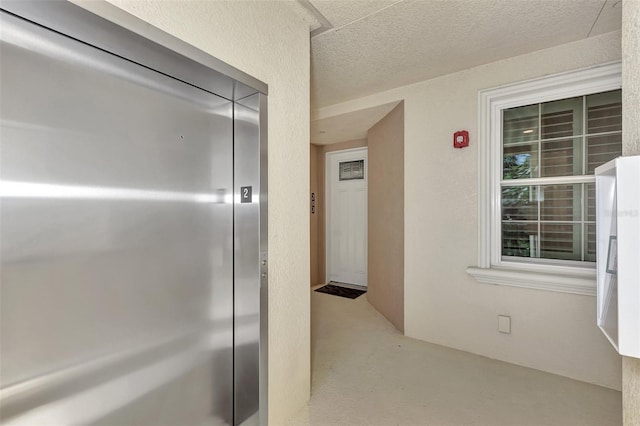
[(316, 20)]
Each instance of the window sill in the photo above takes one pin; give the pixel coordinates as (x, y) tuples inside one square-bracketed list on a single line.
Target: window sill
[(564, 283)]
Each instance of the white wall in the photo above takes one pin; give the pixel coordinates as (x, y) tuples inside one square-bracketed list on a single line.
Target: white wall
[(631, 77), (269, 41), (631, 146), (554, 332)]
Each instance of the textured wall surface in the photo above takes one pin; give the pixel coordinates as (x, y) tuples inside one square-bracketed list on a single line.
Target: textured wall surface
[(631, 391), (554, 332), (631, 146), (551, 331), (270, 42), (385, 275), (631, 77)]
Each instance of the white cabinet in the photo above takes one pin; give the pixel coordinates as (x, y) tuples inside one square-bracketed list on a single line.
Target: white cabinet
[(618, 253)]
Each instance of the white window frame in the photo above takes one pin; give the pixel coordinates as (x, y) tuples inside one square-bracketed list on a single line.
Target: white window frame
[(567, 277)]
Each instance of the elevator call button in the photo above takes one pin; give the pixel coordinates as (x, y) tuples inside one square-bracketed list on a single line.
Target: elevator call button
[(245, 194)]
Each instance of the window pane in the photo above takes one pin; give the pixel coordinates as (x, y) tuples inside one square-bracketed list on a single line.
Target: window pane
[(350, 170), (519, 203), (561, 157), (561, 119), (520, 125), (560, 241), (520, 142), (559, 211), (604, 112), (520, 162), (561, 202), (590, 214), (601, 149), (519, 239), (590, 242)]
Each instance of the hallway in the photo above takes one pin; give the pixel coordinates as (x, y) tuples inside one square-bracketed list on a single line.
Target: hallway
[(364, 372)]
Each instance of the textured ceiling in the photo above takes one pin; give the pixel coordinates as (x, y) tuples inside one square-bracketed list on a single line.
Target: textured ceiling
[(346, 127), (341, 12), (372, 46)]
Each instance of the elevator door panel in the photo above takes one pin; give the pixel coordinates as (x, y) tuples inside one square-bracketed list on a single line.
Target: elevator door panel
[(117, 236), (247, 265)]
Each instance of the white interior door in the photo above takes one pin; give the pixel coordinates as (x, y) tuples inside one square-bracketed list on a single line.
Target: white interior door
[(346, 183)]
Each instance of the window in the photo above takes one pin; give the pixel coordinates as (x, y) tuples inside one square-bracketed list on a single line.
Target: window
[(351, 170), (540, 143), (549, 153)]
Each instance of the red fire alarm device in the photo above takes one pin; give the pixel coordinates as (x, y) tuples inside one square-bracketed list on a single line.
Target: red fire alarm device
[(461, 139)]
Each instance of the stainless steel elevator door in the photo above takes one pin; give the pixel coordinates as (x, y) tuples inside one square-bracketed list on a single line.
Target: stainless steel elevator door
[(247, 252), (116, 240)]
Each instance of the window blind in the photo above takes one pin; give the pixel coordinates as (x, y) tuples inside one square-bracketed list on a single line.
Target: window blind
[(551, 141)]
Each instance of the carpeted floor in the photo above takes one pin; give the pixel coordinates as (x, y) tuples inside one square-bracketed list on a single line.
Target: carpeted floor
[(365, 372)]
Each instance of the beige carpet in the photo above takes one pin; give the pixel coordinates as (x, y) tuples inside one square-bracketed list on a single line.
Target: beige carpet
[(364, 372)]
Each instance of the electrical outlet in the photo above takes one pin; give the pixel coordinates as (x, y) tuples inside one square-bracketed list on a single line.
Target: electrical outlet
[(504, 324)]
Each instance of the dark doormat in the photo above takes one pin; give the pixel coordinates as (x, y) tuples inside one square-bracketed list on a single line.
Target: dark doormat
[(351, 293)]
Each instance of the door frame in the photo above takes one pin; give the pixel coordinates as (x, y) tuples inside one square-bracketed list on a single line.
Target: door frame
[(329, 156)]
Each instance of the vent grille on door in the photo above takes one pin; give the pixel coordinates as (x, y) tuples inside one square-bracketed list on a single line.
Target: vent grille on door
[(350, 170)]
